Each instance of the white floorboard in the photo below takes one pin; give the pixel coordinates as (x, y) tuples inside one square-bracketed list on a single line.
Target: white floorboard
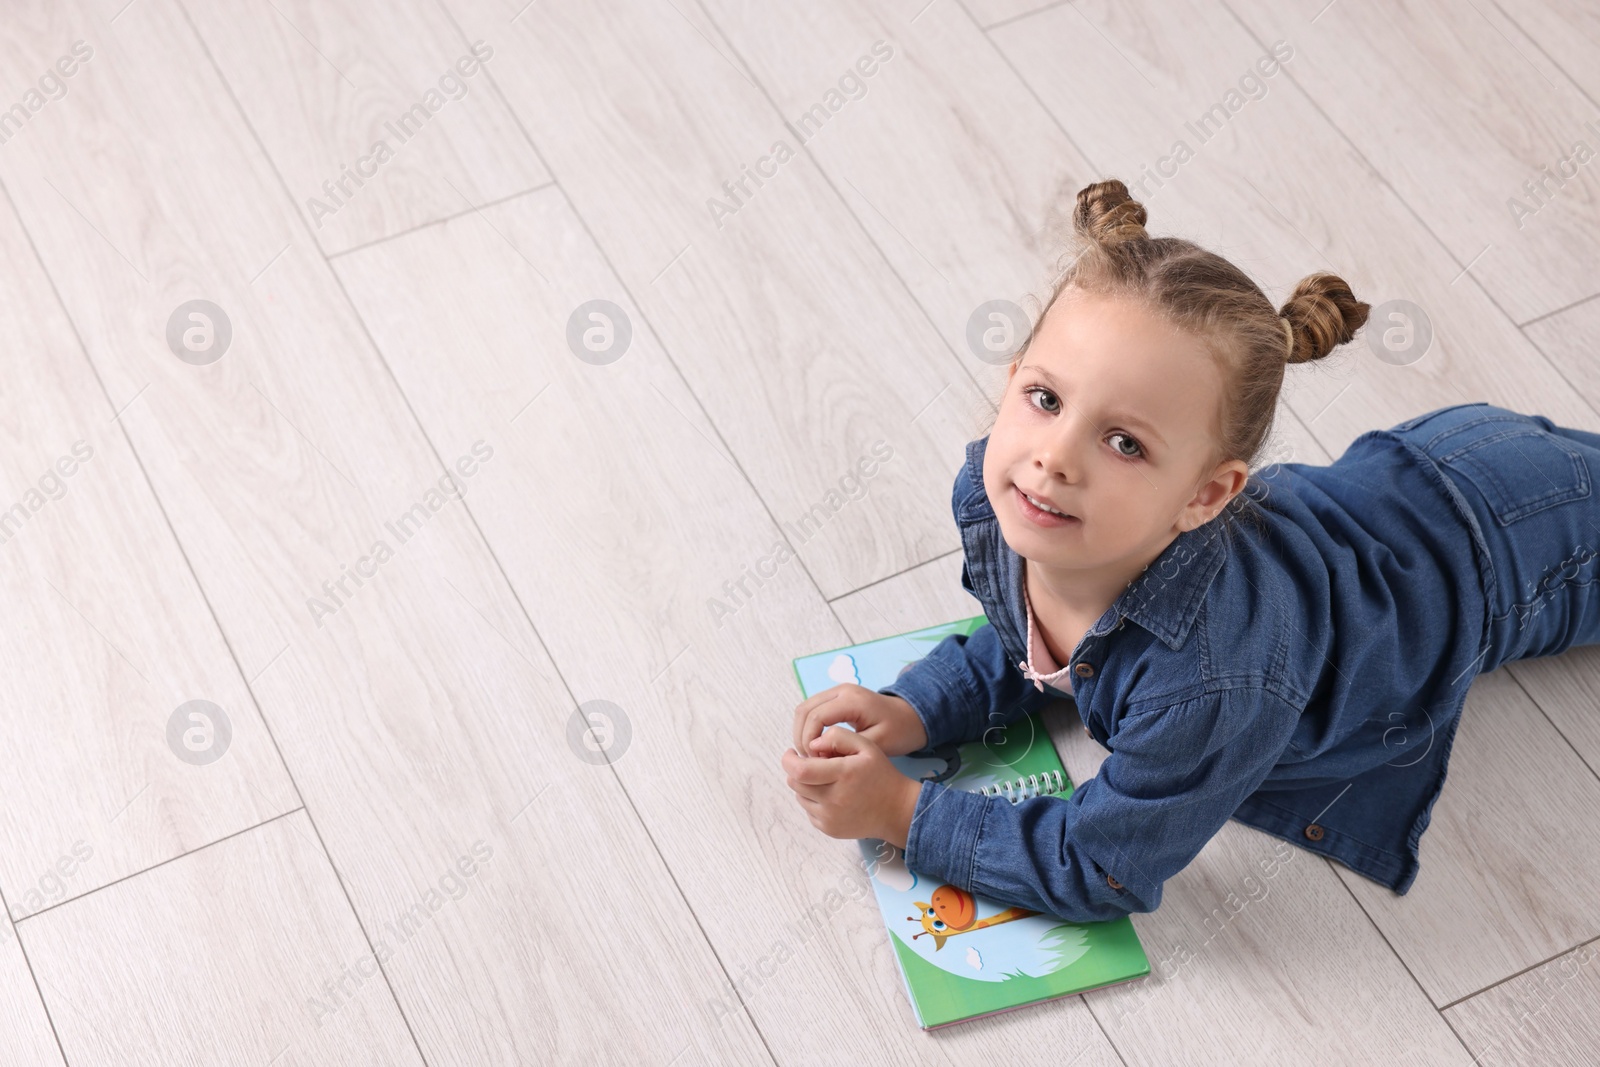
[(110, 641), (407, 814), (367, 112), (243, 952)]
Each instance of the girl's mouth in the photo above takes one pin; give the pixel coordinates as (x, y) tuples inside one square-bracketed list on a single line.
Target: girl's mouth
[(1038, 516)]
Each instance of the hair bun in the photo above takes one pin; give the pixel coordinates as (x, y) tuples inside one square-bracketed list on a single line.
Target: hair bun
[(1107, 214), (1323, 314)]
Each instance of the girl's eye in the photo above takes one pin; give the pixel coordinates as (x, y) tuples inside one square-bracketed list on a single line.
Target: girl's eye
[(1128, 455), (1040, 391), (1033, 391)]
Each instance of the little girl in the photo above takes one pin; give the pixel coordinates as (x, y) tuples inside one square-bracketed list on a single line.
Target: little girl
[(1289, 648)]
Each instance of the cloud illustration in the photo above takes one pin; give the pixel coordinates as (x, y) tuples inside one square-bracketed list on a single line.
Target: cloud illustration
[(843, 669)]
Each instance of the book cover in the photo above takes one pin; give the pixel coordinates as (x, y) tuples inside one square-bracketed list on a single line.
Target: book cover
[(964, 956)]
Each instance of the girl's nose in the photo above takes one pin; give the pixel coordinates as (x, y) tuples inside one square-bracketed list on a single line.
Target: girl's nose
[(1060, 454)]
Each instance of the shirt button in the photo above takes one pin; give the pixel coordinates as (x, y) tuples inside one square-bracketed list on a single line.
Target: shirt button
[(1087, 731), (1084, 670), (1113, 883), (1314, 832)]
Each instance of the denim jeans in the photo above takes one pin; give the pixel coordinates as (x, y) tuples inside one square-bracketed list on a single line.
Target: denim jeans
[(1530, 485)]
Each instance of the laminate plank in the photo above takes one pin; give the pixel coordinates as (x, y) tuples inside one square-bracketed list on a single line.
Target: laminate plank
[(883, 609), (109, 641), (609, 469), (413, 703), (1568, 33), (243, 952), (796, 338), (1567, 340), (1459, 111), (26, 1037), (1549, 1015), (989, 12), (421, 712), (1259, 956), (1133, 87), (1567, 689), (377, 115), (963, 181)]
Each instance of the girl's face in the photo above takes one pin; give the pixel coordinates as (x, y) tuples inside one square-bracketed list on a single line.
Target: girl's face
[(1111, 419)]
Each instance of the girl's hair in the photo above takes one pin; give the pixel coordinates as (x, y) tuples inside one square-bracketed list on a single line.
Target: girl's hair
[(1209, 298)]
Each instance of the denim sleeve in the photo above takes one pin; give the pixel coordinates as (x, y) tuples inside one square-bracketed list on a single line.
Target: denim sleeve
[(964, 686), (1175, 775)]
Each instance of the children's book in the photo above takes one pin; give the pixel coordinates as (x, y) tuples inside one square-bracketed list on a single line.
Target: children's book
[(964, 956)]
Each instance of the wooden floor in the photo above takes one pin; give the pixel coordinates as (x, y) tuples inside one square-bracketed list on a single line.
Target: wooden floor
[(310, 588)]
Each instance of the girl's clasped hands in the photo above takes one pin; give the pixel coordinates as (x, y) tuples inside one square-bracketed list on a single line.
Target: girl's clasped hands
[(843, 778)]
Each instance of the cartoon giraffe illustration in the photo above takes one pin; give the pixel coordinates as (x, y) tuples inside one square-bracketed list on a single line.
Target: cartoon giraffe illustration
[(954, 911)]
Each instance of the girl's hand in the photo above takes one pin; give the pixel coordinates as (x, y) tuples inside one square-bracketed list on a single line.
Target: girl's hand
[(856, 793), (887, 721)]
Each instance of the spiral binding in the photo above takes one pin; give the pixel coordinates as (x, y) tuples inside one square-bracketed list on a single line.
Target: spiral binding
[(1016, 789)]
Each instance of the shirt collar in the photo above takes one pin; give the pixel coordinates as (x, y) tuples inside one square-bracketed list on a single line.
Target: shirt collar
[(1164, 599)]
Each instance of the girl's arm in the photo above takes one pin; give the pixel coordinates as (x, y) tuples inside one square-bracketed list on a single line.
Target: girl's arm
[(1175, 775), (964, 687)]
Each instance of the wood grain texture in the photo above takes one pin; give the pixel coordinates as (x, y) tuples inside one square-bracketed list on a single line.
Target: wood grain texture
[(1568, 34), (1567, 689), (325, 85), (1259, 956), (956, 173), (173, 950), (421, 715), (27, 1036), (886, 609), (1547, 1015), (665, 532), (607, 503), (108, 637), (989, 13), (1567, 340), (800, 344), (1472, 110)]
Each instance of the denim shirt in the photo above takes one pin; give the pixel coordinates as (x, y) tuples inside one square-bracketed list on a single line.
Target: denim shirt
[(1304, 676)]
